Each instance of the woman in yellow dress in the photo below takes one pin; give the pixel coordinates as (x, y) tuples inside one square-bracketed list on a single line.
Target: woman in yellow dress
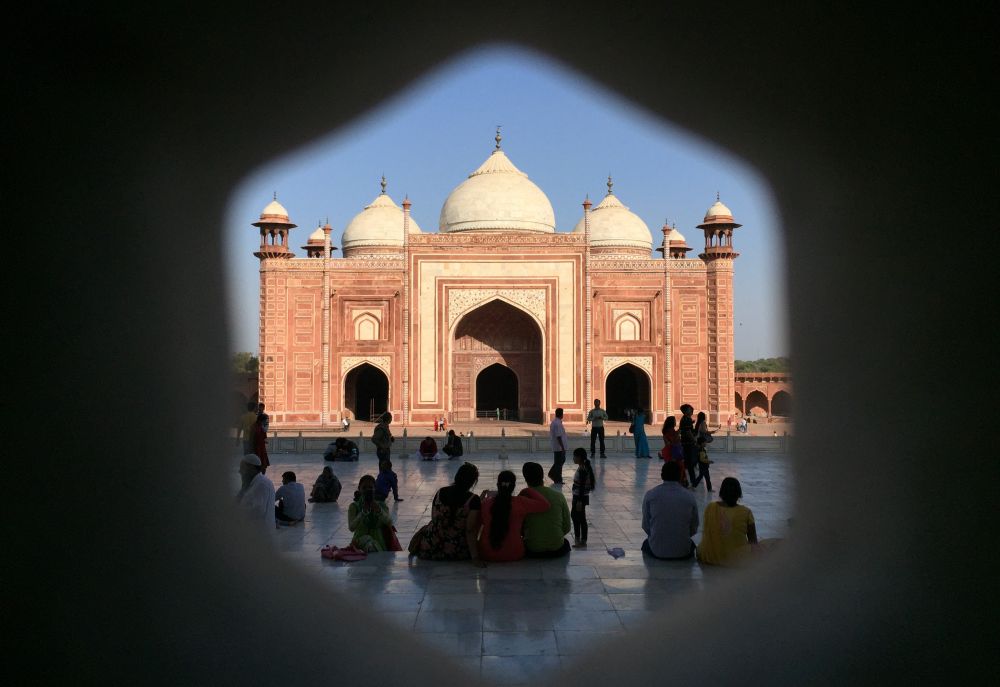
[(729, 533)]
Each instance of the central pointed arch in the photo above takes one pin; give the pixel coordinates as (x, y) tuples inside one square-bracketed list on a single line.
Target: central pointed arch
[(497, 335)]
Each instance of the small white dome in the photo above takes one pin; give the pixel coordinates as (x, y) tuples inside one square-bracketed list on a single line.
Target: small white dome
[(676, 237), (274, 208), (379, 224), (317, 235), (497, 197), (613, 224), (718, 210)]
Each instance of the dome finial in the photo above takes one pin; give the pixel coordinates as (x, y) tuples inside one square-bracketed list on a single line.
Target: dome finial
[(383, 184), (498, 137), (275, 196), (717, 197), (610, 184)]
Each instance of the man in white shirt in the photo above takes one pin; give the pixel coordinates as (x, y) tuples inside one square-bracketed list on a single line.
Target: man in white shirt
[(669, 517), (256, 497), (560, 442), (596, 418), (291, 496)]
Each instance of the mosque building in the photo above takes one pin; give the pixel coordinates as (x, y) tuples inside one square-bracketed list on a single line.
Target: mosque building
[(495, 310)]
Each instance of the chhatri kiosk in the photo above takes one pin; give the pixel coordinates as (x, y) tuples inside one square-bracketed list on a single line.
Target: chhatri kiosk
[(496, 309)]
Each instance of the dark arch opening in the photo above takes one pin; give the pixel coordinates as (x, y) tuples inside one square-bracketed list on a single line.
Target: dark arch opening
[(739, 402), (756, 403), (627, 388), (781, 404), (366, 392), (496, 387)]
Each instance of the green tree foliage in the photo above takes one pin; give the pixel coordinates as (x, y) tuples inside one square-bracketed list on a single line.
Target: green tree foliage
[(245, 363), (764, 365)]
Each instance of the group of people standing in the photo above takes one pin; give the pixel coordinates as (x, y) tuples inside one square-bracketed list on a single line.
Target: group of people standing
[(687, 446)]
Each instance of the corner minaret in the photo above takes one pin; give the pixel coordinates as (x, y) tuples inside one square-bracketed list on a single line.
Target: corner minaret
[(274, 225), (718, 227)]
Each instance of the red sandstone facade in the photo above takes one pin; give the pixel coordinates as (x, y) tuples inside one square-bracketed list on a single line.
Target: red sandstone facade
[(453, 323)]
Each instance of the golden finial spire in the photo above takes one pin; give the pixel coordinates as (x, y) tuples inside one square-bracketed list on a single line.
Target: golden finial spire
[(498, 137), (383, 184), (717, 197), (610, 184), (275, 196)]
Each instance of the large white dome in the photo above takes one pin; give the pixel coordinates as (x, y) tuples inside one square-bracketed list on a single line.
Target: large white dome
[(379, 224), (614, 225), (497, 197)]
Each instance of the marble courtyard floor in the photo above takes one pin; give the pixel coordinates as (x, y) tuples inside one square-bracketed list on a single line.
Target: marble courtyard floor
[(517, 621)]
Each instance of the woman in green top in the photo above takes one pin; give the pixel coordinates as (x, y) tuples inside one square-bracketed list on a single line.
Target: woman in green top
[(368, 519)]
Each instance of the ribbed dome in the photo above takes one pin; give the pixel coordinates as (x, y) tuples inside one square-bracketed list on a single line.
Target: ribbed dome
[(718, 210), (497, 197), (613, 224), (379, 224)]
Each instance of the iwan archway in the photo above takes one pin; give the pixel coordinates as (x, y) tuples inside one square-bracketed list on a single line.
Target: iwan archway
[(627, 387), (503, 343), (366, 392)]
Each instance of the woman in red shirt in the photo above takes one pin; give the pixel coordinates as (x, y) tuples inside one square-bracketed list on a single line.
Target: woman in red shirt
[(503, 516)]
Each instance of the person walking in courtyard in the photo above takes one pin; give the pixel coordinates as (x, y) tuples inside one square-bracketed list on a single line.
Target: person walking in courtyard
[(560, 442), (596, 418), (669, 517), (639, 434), (545, 532), (703, 463), (382, 437), (583, 484), (247, 422), (688, 440), (260, 443), (327, 487), (701, 428), (503, 517)]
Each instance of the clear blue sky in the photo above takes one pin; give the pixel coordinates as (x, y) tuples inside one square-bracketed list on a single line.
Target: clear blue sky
[(566, 133)]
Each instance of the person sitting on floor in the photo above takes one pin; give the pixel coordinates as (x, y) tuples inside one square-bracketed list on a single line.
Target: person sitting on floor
[(327, 487), (454, 527), (503, 517), (428, 449), (341, 449), (369, 519), (256, 495), (669, 517), (291, 501), (730, 533), (545, 533), (453, 447), (386, 482)]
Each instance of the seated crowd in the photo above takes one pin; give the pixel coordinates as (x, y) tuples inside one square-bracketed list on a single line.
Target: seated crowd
[(501, 525)]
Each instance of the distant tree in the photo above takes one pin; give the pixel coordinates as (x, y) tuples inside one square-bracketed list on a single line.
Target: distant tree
[(245, 363), (781, 364)]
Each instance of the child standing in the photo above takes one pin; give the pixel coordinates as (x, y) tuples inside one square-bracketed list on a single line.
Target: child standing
[(386, 482), (583, 484), (703, 463)]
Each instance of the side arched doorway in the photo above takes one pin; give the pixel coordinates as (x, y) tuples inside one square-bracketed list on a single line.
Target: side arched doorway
[(503, 343), (496, 387), (366, 392), (739, 402), (627, 387), (756, 403), (781, 404)]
